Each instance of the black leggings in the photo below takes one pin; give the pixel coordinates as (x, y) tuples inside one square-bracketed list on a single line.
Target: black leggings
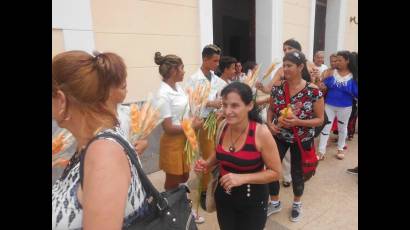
[(242, 211), (296, 172)]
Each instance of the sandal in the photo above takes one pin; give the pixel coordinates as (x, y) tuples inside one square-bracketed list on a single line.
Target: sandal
[(321, 156), (340, 155)]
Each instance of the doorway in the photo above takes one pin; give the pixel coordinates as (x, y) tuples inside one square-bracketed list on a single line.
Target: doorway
[(234, 28), (320, 26)]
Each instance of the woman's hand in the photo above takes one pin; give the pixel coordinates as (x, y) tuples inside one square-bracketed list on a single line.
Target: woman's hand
[(274, 129), (289, 122), (140, 146), (219, 115), (197, 122), (217, 103), (259, 85), (201, 166), (231, 180), (314, 74)]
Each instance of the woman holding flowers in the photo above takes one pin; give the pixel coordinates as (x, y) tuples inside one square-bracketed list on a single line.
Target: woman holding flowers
[(174, 107), (104, 194), (248, 160), (307, 106)]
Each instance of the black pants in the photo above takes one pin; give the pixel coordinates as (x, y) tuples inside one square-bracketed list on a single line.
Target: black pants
[(245, 208), (296, 172)]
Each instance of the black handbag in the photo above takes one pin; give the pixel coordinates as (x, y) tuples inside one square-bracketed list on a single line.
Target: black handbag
[(170, 210), (319, 129)]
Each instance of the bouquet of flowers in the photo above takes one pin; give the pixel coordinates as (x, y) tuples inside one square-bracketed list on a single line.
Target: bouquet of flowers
[(259, 108), (143, 120), (197, 98), (251, 78), (191, 146), (60, 143), (211, 124), (269, 71), (191, 151)]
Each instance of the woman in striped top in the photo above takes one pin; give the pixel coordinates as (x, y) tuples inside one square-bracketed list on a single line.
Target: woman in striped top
[(244, 150)]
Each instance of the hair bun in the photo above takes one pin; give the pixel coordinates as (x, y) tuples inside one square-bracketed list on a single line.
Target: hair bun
[(159, 59)]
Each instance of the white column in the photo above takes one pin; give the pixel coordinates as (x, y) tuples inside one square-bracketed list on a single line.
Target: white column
[(205, 23), (342, 26), (311, 29), (334, 22), (269, 31), (73, 17)]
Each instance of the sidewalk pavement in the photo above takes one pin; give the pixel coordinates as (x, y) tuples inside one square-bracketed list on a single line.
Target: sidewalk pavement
[(330, 199)]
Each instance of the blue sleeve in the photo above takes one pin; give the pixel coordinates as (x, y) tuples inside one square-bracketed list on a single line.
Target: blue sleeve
[(328, 81)]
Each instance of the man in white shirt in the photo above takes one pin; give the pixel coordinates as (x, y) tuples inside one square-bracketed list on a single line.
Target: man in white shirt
[(319, 60), (211, 55)]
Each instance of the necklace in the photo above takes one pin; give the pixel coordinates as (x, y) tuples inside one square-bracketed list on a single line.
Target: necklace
[(232, 145)]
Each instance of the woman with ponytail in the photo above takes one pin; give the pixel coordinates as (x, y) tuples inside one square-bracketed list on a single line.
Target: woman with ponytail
[(342, 90), (244, 149), (173, 104), (98, 189), (307, 105)]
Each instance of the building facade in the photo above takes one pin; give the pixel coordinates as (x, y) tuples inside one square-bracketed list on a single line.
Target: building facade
[(136, 29)]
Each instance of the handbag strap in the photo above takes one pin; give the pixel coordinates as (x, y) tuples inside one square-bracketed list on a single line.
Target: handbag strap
[(145, 182), (287, 101)]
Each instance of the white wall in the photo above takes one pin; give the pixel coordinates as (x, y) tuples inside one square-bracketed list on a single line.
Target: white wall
[(335, 27), (311, 29), (269, 30), (73, 17)]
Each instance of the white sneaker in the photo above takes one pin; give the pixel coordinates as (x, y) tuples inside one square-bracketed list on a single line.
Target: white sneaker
[(296, 213)]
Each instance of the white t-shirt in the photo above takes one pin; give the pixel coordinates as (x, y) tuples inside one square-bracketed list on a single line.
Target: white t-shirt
[(172, 103), (217, 85), (322, 68), (240, 77)]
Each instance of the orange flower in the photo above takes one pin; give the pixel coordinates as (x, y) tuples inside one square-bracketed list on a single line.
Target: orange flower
[(143, 121), (269, 71), (191, 146), (251, 78), (60, 163), (57, 144), (198, 97), (190, 133), (135, 116)]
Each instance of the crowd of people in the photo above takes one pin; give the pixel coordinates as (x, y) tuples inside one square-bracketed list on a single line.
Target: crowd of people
[(87, 92)]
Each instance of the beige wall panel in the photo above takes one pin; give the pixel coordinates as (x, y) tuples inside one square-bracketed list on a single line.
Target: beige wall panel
[(351, 37), (192, 3), (300, 33), (296, 22), (299, 3), (57, 42), (297, 14), (139, 50), (142, 81), (144, 17)]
